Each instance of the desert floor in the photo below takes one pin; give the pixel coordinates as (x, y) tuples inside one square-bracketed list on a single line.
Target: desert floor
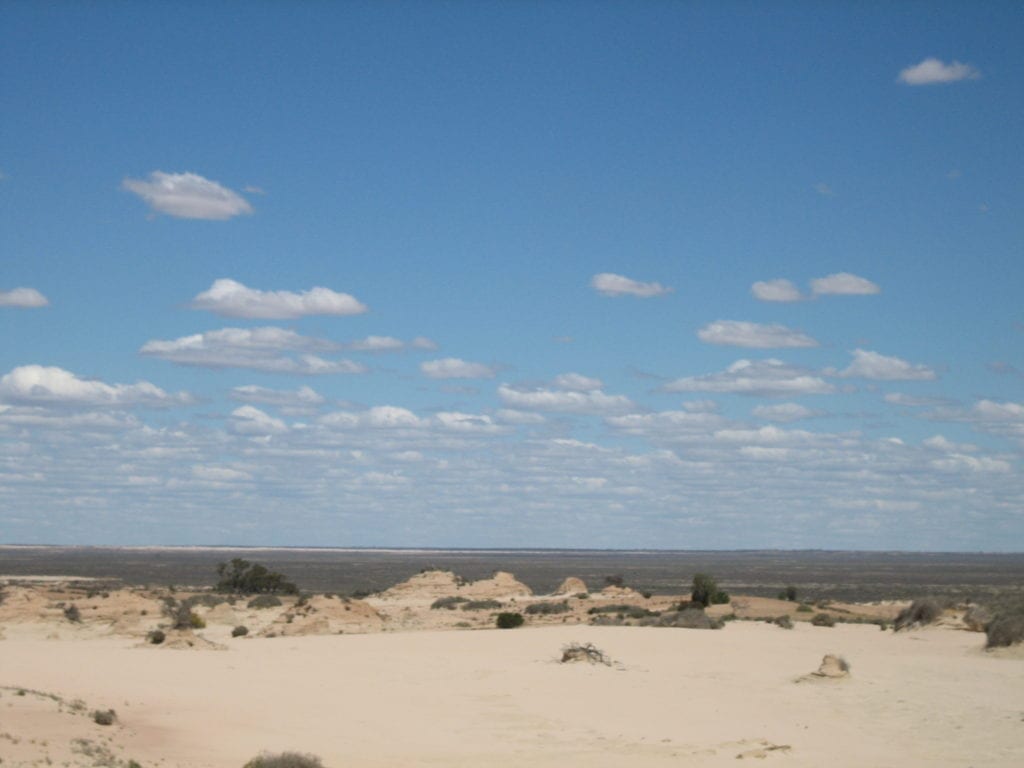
[(501, 698)]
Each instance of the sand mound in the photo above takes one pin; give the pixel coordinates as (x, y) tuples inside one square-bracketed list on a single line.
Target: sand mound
[(431, 585), (222, 613), (621, 592), (571, 586), (185, 640), (832, 668), (321, 615)]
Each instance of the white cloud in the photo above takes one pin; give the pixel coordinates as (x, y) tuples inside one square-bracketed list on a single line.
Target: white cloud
[(872, 365), (775, 290), (577, 382), (769, 378), (218, 474), (843, 284), (454, 368), (914, 401), (467, 422), (961, 462), (378, 417), (737, 333), (422, 342), (258, 349), (609, 284), (249, 420), (512, 416), (785, 412), (594, 402), (48, 385), (230, 298), (377, 344), (932, 71), (188, 196), (301, 397), (23, 298)]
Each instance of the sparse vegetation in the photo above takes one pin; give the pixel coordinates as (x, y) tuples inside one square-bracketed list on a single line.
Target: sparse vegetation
[(448, 603), (804, 608), (104, 716), (156, 637), (509, 620), (285, 760), (584, 652), (244, 578), (920, 613), (616, 580), (240, 631), (823, 620), (783, 621), (72, 614), (196, 621), (546, 609), (623, 611), (481, 605), (1007, 625), (789, 593), (264, 601)]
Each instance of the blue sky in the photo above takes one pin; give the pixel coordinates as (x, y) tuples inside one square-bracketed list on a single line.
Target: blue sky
[(681, 275)]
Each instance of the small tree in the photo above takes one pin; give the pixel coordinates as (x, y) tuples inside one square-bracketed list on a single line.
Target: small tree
[(789, 593), (245, 578), (508, 620), (705, 588)]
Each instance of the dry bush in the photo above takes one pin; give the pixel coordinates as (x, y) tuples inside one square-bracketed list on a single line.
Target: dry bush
[(240, 631), (481, 605), (783, 621), (104, 716), (584, 652), (545, 609), (1007, 626), (918, 614), (264, 601), (448, 603), (689, 618), (823, 620), (509, 620)]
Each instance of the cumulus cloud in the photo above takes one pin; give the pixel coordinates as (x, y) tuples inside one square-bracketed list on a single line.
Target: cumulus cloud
[(230, 298), (23, 298), (609, 284), (467, 422), (188, 196), (512, 416), (768, 378), (775, 290), (249, 420), (785, 412), (737, 333), (915, 401), (564, 401), (932, 71), (577, 382), (377, 344), (52, 386), (454, 368), (305, 397), (872, 365), (258, 349), (378, 417), (843, 284)]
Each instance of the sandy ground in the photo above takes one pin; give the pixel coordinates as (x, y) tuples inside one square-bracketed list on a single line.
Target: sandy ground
[(501, 698)]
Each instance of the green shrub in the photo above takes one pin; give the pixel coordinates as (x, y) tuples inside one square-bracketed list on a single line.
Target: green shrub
[(623, 611), (245, 578), (705, 588), (918, 614), (285, 760), (240, 631), (507, 620), (481, 605), (195, 621), (1007, 625), (804, 608), (264, 601), (104, 716), (720, 597), (545, 609), (448, 603), (823, 620), (783, 621), (156, 637)]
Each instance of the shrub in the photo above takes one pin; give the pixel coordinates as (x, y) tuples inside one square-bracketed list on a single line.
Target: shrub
[(240, 631), (977, 618), (789, 593), (692, 617), (264, 601), (783, 621), (245, 578), (804, 608), (823, 620), (481, 605), (545, 609), (584, 652), (1007, 625), (104, 717), (156, 637), (704, 590), (616, 580), (508, 620), (623, 610), (919, 613), (195, 621), (448, 603), (285, 760), (720, 597), (72, 614)]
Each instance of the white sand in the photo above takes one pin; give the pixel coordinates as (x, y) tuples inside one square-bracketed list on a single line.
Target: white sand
[(500, 698)]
